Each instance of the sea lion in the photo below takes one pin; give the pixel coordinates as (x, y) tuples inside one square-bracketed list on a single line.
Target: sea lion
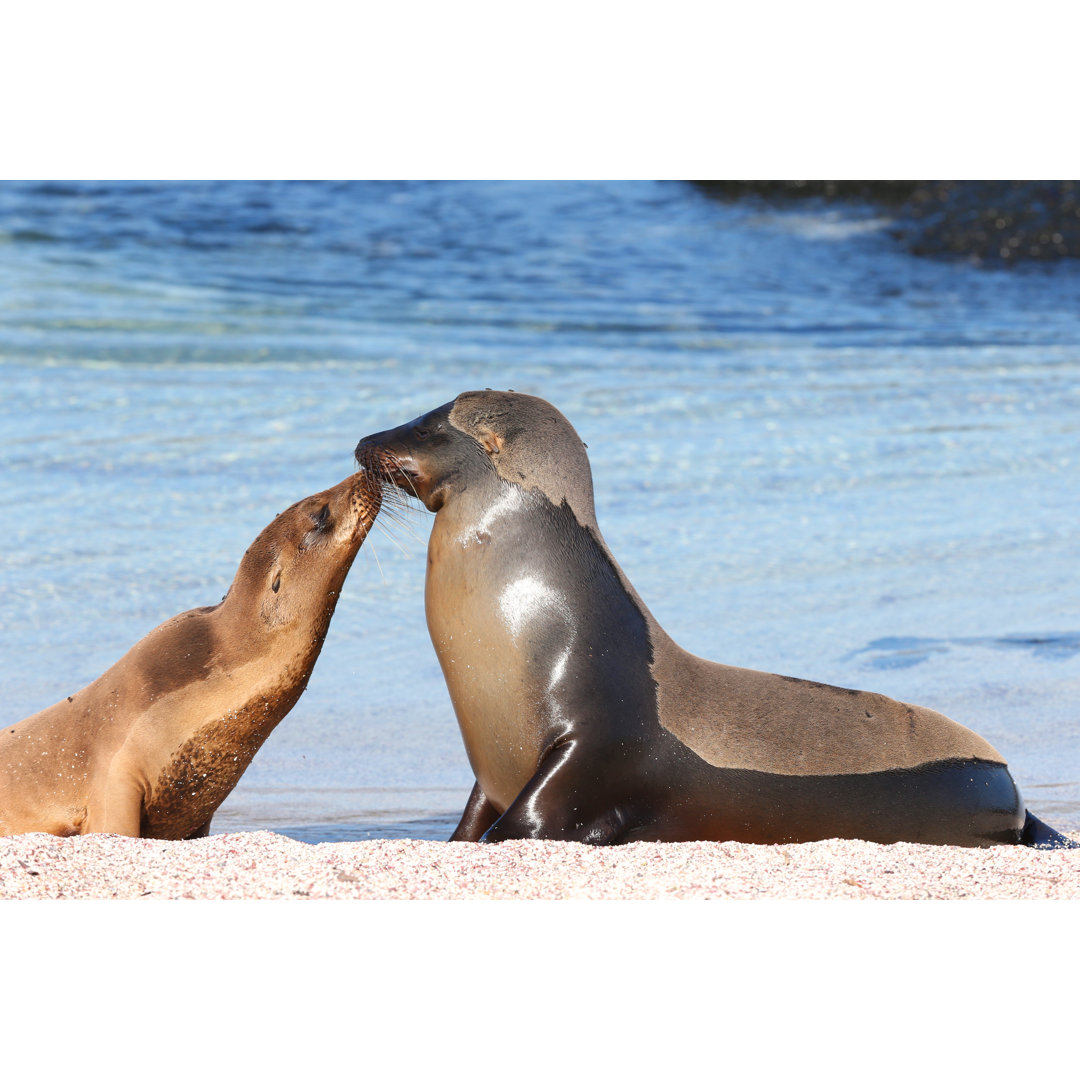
[(582, 718), (154, 745)]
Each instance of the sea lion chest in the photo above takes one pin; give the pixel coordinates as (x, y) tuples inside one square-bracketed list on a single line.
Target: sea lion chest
[(489, 619), (534, 633)]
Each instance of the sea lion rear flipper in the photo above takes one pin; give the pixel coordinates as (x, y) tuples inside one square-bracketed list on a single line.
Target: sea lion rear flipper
[(1038, 834), (558, 803), (478, 816)]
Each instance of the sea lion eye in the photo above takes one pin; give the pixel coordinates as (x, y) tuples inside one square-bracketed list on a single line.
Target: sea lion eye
[(322, 518), (276, 583), (421, 433)]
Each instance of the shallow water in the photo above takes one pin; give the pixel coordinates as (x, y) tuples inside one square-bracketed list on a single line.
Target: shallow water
[(813, 454)]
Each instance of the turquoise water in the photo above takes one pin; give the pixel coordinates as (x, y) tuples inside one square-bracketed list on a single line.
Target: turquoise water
[(813, 454)]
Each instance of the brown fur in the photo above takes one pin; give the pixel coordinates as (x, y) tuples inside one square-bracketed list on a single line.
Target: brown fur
[(154, 746)]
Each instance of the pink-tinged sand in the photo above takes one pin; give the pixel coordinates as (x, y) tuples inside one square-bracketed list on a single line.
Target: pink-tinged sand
[(265, 865)]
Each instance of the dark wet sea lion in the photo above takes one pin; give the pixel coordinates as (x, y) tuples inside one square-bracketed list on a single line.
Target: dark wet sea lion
[(584, 721), (153, 746)]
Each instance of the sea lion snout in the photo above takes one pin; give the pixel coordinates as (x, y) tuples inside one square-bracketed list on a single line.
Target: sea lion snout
[(343, 514), (355, 505), (388, 464), (412, 456)]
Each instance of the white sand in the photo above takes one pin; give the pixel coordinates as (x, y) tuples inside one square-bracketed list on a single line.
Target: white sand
[(257, 865)]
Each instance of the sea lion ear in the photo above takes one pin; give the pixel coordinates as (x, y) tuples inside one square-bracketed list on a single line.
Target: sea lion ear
[(491, 441)]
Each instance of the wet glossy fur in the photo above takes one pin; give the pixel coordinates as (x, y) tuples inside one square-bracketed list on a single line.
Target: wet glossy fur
[(581, 717)]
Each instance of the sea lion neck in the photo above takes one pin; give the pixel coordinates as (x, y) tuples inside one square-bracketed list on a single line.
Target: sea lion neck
[(481, 510)]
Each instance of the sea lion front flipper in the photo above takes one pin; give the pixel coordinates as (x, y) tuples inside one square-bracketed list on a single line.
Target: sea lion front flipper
[(558, 803), (117, 807), (478, 816)]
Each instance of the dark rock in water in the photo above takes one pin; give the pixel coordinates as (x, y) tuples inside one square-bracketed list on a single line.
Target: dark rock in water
[(994, 222), (894, 191)]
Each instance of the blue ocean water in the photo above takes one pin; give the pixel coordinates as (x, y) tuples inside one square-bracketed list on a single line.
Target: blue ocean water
[(813, 453)]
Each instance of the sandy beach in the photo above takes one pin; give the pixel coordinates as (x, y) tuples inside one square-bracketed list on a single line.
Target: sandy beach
[(265, 865)]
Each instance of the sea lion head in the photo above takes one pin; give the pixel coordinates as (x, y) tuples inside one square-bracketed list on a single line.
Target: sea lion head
[(518, 438), (296, 566)]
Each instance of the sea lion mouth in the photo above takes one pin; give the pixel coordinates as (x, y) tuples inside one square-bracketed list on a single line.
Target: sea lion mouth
[(385, 467)]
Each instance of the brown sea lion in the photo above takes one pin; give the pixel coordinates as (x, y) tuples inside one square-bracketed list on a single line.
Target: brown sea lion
[(581, 717), (154, 745)]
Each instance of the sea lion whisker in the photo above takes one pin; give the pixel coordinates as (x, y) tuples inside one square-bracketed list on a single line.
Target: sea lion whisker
[(398, 510), (408, 478), (394, 512), (394, 540), (375, 556), (399, 506), (390, 477)]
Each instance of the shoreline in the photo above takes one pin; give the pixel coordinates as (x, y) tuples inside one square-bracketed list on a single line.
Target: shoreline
[(265, 865)]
